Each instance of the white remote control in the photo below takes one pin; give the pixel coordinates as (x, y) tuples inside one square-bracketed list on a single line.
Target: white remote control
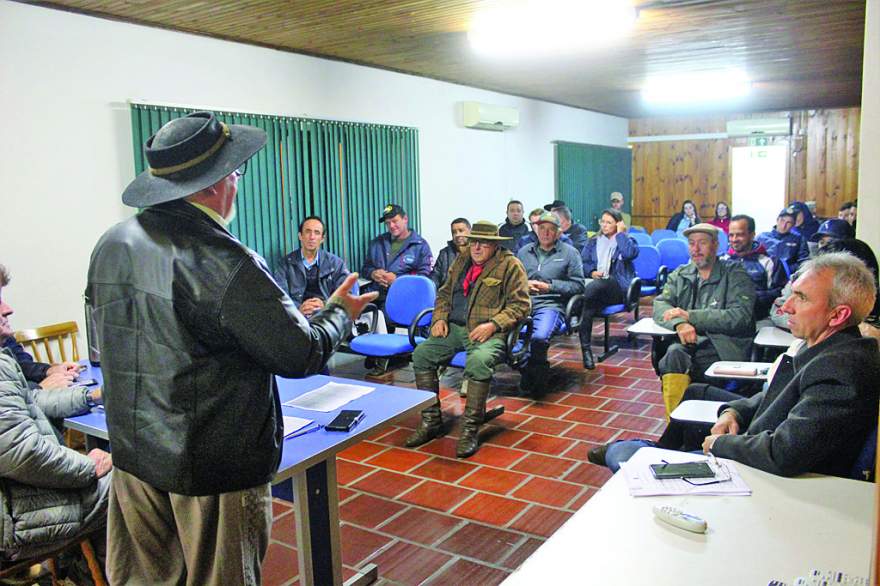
[(680, 519)]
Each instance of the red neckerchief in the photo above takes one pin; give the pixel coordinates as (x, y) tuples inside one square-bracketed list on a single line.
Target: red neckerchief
[(472, 275)]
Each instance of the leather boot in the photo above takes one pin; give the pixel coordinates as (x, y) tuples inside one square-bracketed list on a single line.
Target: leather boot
[(431, 425), (674, 386), (474, 414)]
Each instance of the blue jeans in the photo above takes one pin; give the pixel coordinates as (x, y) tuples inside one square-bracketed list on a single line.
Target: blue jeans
[(546, 321)]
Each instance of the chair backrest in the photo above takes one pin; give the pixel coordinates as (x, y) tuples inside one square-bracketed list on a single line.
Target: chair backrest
[(633, 292), (863, 467), (64, 335), (661, 234), (636, 229), (723, 243), (407, 296), (641, 238), (647, 263), (673, 252)]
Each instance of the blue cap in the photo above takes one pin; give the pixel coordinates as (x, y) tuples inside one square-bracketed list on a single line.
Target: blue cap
[(788, 211), (835, 227)]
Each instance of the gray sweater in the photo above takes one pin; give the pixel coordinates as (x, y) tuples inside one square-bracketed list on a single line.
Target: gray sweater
[(816, 413), (562, 269)]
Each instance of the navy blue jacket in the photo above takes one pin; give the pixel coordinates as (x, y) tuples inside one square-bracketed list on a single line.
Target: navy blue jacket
[(445, 258), (291, 274), (33, 371), (791, 247), (622, 268), (532, 238), (810, 225), (512, 232), (413, 258), (767, 274), (578, 234)]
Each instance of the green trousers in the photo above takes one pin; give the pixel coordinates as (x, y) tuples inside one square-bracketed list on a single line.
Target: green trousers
[(481, 358)]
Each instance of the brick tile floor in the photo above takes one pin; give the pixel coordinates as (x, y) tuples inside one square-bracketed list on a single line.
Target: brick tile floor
[(426, 517)]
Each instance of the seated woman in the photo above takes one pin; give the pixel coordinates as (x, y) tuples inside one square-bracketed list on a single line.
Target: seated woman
[(684, 219), (607, 259), (722, 217)]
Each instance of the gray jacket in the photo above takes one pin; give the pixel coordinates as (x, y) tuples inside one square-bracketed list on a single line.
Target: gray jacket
[(816, 413), (42, 483), (720, 308), (563, 270)]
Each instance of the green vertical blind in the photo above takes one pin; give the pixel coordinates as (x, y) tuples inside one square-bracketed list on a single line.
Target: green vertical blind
[(344, 172), (587, 174)]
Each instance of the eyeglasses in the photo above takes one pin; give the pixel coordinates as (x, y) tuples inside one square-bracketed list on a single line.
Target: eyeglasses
[(241, 170), (718, 467)]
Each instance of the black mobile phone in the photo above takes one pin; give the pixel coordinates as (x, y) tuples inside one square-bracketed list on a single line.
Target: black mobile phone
[(682, 470), (346, 420), (88, 382)]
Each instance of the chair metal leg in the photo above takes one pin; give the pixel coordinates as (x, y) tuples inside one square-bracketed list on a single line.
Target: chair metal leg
[(613, 349)]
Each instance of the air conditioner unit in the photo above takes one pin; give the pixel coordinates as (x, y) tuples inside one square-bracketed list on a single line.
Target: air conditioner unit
[(759, 127), (489, 117)]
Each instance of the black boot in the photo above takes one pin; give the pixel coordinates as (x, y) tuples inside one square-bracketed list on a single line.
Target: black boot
[(431, 425), (586, 335), (474, 415)]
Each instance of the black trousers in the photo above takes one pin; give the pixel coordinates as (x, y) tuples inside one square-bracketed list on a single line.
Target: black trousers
[(598, 293)]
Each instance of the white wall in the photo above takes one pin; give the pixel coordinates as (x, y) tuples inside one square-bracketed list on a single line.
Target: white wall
[(66, 146), (868, 226)]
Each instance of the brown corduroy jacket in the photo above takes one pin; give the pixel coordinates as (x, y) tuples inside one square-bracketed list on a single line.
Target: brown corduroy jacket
[(499, 295)]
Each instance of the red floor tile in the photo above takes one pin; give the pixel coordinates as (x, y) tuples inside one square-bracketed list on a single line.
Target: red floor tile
[(591, 433), (628, 407), (545, 425), (579, 451), (434, 495), (512, 403), (496, 456), (618, 393), (610, 369), (421, 526), (468, 572), (542, 521), (358, 544), (588, 416), (404, 563), (347, 472), (584, 401), (361, 451), (398, 459), (284, 529), (522, 553), (279, 565), (369, 511), (444, 469), (545, 444), (647, 384), (344, 493), (620, 381), (395, 438), (279, 507), (653, 397), (634, 423), (503, 437), (657, 411), (543, 466), (492, 480), (547, 492), (387, 484), (491, 509), (551, 410), (441, 446), (488, 544), (582, 499), (586, 473)]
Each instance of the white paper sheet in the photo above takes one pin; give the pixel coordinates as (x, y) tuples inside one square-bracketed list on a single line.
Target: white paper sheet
[(641, 481), (329, 397), (294, 424)]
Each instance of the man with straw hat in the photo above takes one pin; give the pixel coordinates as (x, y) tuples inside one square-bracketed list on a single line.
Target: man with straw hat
[(192, 328), (485, 295)]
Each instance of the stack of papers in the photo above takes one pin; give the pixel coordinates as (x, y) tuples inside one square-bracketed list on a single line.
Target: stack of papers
[(641, 481), (329, 397), (294, 424)]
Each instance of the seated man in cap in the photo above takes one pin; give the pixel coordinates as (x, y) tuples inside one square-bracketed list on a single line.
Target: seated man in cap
[(821, 401), (399, 251), (783, 244), (766, 274), (460, 228), (831, 231), (531, 237), (485, 295), (617, 204), (310, 275), (555, 274), (710, 304), (51, 495)]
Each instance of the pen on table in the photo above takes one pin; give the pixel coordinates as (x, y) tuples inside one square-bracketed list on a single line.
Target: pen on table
[(304, 431)]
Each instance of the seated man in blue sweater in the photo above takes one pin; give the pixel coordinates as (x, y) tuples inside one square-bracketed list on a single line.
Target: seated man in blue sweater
[(767, 274), (783, 243), (820, 404)]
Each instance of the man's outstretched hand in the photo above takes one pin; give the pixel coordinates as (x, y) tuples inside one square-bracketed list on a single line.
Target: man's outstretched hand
[(353, 304)]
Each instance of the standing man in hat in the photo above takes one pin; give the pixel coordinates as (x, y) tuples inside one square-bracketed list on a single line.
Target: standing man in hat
[(192, 328), (485, 295), (617, 204), (783, 244), (710, 304), (399, 251)]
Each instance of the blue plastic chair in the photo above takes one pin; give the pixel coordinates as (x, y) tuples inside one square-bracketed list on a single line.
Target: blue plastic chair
[(408, 298), (636, 230), (651, 271), (723, 243), (641, 238), (673, 252), (661, 234), (630, 304)]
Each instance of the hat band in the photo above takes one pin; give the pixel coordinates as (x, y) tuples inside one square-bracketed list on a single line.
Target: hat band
[(160, 171)]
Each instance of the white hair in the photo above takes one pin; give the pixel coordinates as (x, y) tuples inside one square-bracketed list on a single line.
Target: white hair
[(852, 282)]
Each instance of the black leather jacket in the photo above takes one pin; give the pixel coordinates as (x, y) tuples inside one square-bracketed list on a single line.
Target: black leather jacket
[(192, 329)]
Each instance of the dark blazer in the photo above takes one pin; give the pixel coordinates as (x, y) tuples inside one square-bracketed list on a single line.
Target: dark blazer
[(816, 413), (444, 260)]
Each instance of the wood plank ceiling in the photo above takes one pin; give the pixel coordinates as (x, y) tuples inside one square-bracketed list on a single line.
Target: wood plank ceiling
[(800, 53)]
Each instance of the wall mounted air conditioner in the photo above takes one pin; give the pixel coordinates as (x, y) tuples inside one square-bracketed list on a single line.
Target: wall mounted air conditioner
[(488, 117), (759, 127)]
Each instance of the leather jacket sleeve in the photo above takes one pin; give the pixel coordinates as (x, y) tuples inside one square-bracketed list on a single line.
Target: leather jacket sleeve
[(266, 325)]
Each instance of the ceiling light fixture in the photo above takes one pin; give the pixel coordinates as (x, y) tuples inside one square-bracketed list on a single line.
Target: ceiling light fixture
[(531, 27), (691, 88)]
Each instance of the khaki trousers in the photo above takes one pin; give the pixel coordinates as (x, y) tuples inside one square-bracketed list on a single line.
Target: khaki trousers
[(160, 538)]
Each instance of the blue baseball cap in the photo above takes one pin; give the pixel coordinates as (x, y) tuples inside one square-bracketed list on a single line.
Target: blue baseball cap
[(835, 227)]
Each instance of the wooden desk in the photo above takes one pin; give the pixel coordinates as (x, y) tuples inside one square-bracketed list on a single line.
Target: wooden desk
[(786, 528)]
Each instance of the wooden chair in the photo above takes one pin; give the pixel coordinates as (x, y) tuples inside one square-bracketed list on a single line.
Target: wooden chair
[(43, 337), (84, 544)]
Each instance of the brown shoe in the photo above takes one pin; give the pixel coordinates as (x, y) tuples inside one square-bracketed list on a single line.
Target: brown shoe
[(597, 455)]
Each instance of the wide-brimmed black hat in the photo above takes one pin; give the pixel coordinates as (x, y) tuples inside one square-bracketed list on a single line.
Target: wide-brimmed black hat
[(558, 203), (189, 154)]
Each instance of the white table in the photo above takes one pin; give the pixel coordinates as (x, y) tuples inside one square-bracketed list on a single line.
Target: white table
[(762, 369), (697, 411), (648, 327), (774, 337), (786, 528)]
